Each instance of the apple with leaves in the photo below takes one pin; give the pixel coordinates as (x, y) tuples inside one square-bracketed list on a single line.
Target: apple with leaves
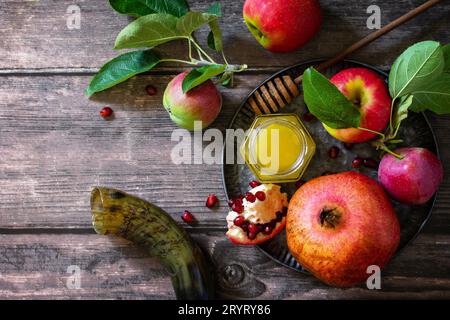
[(355, 106), (282, 25)]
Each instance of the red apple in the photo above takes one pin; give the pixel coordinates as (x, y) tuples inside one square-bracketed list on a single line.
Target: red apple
[(202, 103), (338, 225), (368, 91), (282, 25), (413, 179)]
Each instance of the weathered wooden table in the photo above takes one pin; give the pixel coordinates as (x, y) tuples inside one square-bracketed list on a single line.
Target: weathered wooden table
[(54, 147)]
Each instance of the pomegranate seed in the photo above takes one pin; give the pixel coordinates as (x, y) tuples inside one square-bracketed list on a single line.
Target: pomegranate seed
[(211, 201), (250, 197), (187, 217), (357, 162), (230, 202), (239, 221), (254, 184), (308, 117), (348, 146), (333, 152), (106, 112), (299, 183), (370, 163), (151, 90), (260, 195), (237, 208), (244, 226), (267, 230), (251, 236), (253, 228)]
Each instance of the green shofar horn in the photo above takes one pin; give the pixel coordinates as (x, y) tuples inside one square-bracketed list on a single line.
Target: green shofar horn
[(115, 212)]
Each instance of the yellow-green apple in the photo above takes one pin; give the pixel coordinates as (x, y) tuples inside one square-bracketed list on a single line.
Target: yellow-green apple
[(282, 25), (202, 103), (413, 179), (339, 225), (368, 91)]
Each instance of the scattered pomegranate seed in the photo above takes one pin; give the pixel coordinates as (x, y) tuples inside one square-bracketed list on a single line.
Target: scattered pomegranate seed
[(250, 197), (253, 228), (239, 221), (348, 146), (187, 217), (357, 162), (299, 183), (244, 226), (267, 230), (370, 163), (151, 90), (251, 235), (211, 201), (260, 195), (273, 223), (308, 116), (106, 112), (333, 152)]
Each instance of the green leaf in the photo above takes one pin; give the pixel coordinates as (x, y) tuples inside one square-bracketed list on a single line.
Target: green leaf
[(214, 39), (155, 29), (122, 68), (197, 76), (134, 8), (192, 21), (415, 67), (435, 96), (215, 9), (327, 103), (446, 52), (227, 79), (177, 8)]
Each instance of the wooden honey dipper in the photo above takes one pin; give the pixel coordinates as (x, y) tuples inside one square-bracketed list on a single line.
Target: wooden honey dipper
[(279, 92)]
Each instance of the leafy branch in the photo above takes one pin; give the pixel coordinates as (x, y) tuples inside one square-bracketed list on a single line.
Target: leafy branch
[(158, 22)]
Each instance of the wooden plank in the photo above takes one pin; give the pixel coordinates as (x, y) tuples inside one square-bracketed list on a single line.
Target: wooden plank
[(34, 34), (54, 148), (35, 266)]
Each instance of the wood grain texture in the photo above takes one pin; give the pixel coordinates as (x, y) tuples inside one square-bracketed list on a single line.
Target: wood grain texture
[(36, 267), (55, 147), (34, 34)]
